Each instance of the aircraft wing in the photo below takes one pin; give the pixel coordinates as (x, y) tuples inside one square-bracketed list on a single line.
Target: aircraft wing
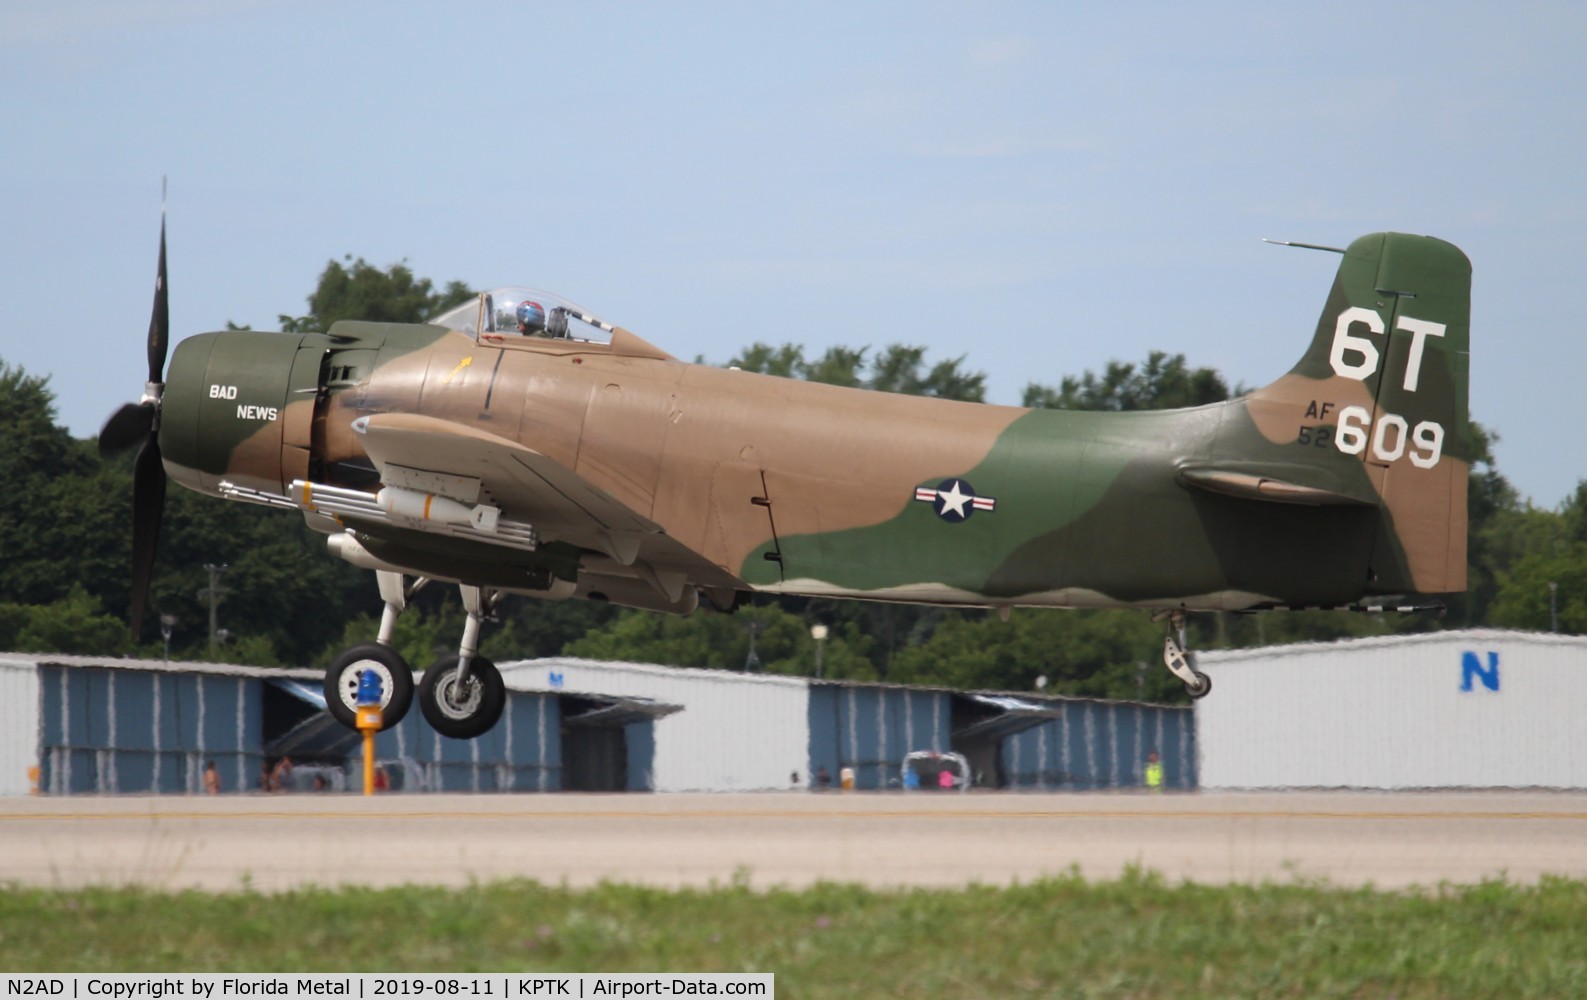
[(413, 451)]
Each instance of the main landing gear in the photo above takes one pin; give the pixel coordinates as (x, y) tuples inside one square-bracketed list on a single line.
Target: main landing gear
[(396, 677), (461, 696), (1180, 661)]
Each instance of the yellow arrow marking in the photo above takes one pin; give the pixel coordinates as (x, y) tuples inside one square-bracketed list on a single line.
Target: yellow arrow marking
[(460, 366)]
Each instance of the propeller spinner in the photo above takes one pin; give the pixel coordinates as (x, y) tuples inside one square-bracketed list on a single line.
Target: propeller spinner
[(136, 423)]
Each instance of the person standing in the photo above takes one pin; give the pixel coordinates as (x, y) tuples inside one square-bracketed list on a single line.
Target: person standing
[(1154, 773), (281, 775)]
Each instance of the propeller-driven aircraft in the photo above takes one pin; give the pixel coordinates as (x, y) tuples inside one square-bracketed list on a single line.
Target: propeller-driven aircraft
[(518, 444)]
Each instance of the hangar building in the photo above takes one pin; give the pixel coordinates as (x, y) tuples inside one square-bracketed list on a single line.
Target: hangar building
[(85, 724), (77, 724), (72, 725), (1458, 709), (741, 732)]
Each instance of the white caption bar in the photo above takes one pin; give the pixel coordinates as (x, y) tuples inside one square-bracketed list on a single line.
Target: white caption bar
[(379, 986)]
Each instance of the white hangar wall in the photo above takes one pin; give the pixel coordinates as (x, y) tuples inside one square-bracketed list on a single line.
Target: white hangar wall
[(738, 732), (1460, 709), (19, 724)]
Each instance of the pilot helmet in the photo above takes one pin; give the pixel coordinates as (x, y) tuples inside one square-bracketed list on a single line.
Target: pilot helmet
[(531, 317)]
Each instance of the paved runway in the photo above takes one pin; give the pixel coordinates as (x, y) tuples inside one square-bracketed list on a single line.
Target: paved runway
[(281, 841)]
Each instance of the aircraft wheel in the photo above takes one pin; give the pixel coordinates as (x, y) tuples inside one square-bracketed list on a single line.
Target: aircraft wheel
[(1201, 688), (396, 683), (462, 711)]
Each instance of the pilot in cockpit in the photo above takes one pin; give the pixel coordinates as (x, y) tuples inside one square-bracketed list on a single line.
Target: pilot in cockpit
[(531, 319), (535, 321)]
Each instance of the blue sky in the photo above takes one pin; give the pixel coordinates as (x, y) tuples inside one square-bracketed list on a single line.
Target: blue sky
[(1040, 187)]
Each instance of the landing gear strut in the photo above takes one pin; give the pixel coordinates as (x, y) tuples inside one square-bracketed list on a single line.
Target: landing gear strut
[(1180, 661), (396, 677), (463, 696)]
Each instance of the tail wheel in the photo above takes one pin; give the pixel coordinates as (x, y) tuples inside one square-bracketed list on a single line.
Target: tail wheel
[(462, 711), (396, 683), (1201, 688)]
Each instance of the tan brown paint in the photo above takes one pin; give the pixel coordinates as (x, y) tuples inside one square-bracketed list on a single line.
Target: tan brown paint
[(826, 478), (1423, 504), (1279, 409)]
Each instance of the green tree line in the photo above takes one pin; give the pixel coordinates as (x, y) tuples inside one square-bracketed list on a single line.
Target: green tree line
[(65, 554)]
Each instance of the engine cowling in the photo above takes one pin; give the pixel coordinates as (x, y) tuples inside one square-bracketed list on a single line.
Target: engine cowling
[(228, 402)]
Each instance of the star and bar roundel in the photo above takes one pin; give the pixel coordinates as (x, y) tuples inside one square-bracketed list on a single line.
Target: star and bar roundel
[(954, 500)]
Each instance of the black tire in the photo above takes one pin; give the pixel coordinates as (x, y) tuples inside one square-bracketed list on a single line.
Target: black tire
[(1201, 688), (341, 683), (474, 711)]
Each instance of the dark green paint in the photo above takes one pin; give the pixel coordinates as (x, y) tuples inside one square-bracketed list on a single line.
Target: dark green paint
[(1094, 501), (269, 370)]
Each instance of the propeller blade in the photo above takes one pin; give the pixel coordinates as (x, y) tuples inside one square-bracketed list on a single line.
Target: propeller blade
[(148, 501), (126, 427), (160, 319)]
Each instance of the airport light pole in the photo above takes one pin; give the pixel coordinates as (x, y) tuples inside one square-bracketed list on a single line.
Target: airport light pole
[(752, 661), (167, 624), (818, 632), (214, 592), (1553, 606)]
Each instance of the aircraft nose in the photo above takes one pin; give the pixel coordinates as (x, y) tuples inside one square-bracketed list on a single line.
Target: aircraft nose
[(184, 378), (225, 395)]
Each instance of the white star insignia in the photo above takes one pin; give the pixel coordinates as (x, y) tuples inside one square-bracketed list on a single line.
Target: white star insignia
[(953, 499)]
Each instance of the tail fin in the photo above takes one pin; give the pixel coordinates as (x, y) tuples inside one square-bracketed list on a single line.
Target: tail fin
[(1382, 391), (1398, 322)]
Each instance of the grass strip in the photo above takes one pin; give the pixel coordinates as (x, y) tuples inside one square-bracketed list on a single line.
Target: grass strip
[(1138, 936)]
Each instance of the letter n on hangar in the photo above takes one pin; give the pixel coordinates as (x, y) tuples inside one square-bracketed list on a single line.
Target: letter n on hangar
[(1471, 669)]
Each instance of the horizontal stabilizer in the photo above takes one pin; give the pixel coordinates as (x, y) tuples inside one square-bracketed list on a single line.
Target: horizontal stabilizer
[(1250, 484)]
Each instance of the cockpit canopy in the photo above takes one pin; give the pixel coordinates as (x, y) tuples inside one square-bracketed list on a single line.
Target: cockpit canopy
[(525, 312)]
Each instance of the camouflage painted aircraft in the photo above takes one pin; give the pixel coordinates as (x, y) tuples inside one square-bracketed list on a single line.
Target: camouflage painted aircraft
[(520, 445)]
